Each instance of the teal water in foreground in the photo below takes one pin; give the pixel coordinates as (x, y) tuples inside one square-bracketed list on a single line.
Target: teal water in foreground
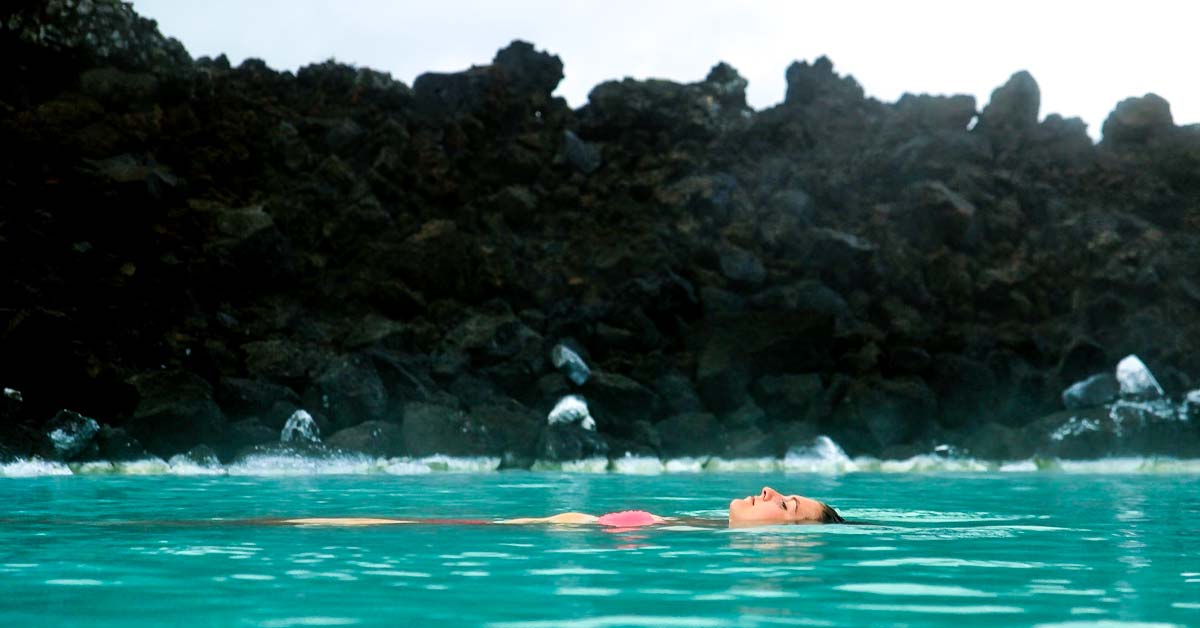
[(1006, 549)]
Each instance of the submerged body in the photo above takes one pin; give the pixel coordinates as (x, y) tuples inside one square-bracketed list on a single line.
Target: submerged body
[(768, 507)]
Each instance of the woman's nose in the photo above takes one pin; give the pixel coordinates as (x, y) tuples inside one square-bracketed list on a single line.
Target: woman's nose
[(768, 493)]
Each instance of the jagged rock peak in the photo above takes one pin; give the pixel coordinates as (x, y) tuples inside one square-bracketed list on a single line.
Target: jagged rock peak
[(100, 31), (529, 69), (1136, 120), (806, 83), (1013, 107), (729, 85)]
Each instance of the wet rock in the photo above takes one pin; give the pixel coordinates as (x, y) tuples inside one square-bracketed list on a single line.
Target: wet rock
[(1094, 391), (1127, 428), (691, 434), (284, 360), (513, 427), (617, 401), (993, 441), (787, 398), (734, 349), (571, 410), (114, 444), (246, 433), (1136, 381), (348, 391), (878, 413), (380, 439), (241, 397), (677, 393), (966, 389), (68, 434), (434, 429), (580, 154), (570, 364), (175, 411), (569, 442), (1190, 409), (300, 428)]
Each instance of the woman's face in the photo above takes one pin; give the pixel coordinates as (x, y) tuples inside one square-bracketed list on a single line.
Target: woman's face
[(770, 507)]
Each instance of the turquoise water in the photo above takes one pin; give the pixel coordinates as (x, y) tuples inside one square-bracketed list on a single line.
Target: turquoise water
[(1008, 549)]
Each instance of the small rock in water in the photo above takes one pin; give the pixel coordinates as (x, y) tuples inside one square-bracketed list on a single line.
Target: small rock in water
[(1092, 392), (300, 428), (1136, 380), (571, 365), (70, 433), (1191, 406), (572, 409)]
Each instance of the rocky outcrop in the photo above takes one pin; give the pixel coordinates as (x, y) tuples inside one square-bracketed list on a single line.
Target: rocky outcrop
[(193, 252)]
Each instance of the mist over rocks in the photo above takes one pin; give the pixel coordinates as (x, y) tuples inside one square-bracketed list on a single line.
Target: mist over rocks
[(196, 251)]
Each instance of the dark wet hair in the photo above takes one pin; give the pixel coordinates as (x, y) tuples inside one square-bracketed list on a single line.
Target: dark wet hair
[(829, 515)]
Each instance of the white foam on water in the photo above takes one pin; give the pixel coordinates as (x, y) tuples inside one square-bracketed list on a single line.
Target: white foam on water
[(587, 591), (587, 465), (909, 588), (75, 582), (612, 621), (34, 467), (937, 609), (684, 465), (822, 456), (473, 464), (288, 622), (1107, 623), (744, 465), (638, 465)]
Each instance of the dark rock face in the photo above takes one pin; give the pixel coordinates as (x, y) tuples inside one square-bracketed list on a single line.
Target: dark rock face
[(889, 274), (175, 411), (69, 434), (374, 438)]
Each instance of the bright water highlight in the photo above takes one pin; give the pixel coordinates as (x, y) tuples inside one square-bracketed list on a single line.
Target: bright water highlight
[(1013, 549)]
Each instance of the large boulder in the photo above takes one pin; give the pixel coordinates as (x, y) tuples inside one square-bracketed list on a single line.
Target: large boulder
[(374, 438), (690, 434), (879, 413), (175, 412), (788, 398), (1135, 121), (1092, 392), (563, 442), (435, 429), (69, 434), (252, 398), (617, 401), (733, 349), (348, 391)]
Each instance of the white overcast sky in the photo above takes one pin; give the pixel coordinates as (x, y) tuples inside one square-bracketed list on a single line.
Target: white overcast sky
[(1086, 56)]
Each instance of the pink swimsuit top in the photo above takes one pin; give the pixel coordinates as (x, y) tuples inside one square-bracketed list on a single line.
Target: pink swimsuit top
[(627, 519)]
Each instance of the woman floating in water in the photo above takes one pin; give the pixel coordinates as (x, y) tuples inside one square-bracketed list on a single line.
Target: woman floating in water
[(769, 507)]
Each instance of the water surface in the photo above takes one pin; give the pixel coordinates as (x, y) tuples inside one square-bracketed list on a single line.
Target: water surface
[(1009, 549)]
